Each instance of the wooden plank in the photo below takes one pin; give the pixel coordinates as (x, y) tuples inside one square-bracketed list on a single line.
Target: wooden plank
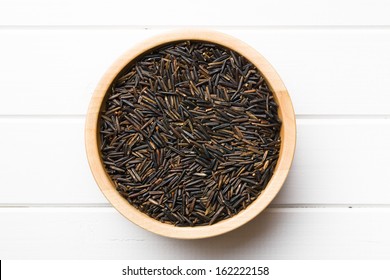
[(102, 233), (337, 161), (44, 161), (173, 12), (326, 71)]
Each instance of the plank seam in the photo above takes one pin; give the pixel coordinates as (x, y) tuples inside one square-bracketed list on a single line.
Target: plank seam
[(298, 116), (219, 27), (272, 206)]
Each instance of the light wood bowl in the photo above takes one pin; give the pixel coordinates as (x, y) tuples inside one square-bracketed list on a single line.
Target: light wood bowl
[(288, 137)]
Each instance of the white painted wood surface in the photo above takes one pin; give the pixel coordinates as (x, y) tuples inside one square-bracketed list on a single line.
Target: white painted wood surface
[(204, 12), (334, 59), (318, 66), (101, 233), (337, 161)]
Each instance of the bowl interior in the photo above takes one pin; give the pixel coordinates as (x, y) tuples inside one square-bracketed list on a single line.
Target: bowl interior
[(287, 133)]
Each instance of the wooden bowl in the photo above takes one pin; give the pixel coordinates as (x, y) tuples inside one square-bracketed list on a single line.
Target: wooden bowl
[(288, 137)]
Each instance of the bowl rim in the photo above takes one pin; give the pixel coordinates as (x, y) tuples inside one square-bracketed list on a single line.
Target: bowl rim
[(286, 154)]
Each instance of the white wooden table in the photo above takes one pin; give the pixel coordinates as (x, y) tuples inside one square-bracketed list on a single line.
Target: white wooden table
[(334, 57)]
